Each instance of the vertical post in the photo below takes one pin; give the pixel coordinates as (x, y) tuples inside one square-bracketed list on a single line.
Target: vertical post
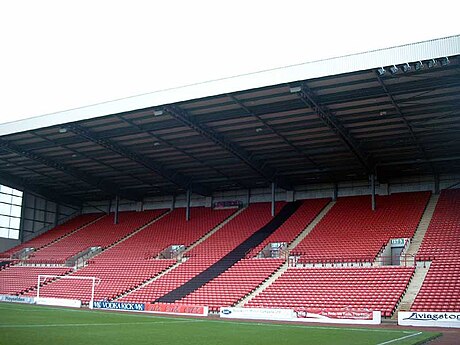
[(23, 216), (173, 202), (187, 209), (436, 184), (38, 286), (248, 196), (374, 206), (117, 204), (110, 206), (56, 215), (335, 192), (273, 199), (92, 294)]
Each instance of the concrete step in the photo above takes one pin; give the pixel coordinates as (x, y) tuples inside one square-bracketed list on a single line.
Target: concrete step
[(311, 226), (283, 268), (412, 290)]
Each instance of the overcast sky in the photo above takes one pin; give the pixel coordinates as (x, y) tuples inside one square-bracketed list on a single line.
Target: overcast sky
[(59, 55)]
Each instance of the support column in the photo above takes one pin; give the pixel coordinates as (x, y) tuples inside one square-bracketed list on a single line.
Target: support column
[(187, 209), (436, 184), (374, 205), (173, 202), (117, 204), (23, 216), (248, 197), (273, 199), (56, 215), (335, 192)]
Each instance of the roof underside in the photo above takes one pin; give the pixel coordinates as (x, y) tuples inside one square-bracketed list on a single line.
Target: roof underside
[(333, 128)]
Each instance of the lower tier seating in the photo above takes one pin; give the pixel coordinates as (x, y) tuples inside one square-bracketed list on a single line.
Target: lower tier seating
[(235, 283), (17, 279), (441, 245), (374, 288), (114, 279)]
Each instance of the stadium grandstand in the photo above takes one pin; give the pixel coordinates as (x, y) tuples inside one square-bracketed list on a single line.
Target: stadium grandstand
[(325, 185)]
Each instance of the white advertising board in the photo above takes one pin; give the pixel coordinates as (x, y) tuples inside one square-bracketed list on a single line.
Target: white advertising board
[(257, 313), (17, 299), (60, 302), (429, 319)]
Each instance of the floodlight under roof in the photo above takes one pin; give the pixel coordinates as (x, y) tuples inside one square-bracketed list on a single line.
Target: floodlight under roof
[(381, 71), (394, 69), (406, 68)]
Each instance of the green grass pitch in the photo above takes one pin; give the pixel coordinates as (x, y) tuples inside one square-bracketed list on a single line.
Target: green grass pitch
[(39, 325)]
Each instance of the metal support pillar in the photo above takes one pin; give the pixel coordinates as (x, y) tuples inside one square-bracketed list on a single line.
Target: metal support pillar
[(374, 206), (273, 199), (117, 204), (56, 215), (335, 192), (187, 209), (436, 184), (248, 197), (173, 202), (23, 216)]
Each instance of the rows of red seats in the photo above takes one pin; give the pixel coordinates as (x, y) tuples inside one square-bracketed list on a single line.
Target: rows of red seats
[(374, 288), (114, 279), (289, 230), (101, 233), (172, 229), (208, 252), (351, 231), (235, 283), (17, 279), (54, 234), (441, 245)]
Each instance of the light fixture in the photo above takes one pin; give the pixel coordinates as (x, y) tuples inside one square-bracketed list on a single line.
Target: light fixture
[(258, 130), (382, 113), (156, 143), (406, 68), (74, 155), (295, 89), (419, 66), (157, 112), (445, 61), (394, 69), (381, 71), (62, 130), (432, 63)]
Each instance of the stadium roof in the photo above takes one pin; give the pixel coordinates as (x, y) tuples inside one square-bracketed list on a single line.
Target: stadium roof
[(391, 112)]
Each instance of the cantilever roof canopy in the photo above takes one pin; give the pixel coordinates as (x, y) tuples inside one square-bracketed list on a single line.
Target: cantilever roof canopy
[(333, 120)]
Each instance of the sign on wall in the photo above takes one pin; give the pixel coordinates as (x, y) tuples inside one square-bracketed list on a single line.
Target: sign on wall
[(429, 319)]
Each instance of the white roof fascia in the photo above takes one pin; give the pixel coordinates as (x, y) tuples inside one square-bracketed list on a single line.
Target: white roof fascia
[(425, 50)]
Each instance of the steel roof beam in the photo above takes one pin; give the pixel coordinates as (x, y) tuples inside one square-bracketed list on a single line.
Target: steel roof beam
[(330, 120), (107, 187), (262, 168), (48, 193), (175, 177), (406, 122)]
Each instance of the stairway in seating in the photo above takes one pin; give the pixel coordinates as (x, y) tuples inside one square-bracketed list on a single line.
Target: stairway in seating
[(311, 226), (231, 258), (264, 285), (421, 229), (412, 290)]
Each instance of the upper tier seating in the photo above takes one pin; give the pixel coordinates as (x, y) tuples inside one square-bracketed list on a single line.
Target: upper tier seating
[(374, 288), (55, 233), (351, 231), (208, 252), (101, 233), (236, 231), (441, 289), (172, 229), (17, 279), (235, 283), (294, 225)]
